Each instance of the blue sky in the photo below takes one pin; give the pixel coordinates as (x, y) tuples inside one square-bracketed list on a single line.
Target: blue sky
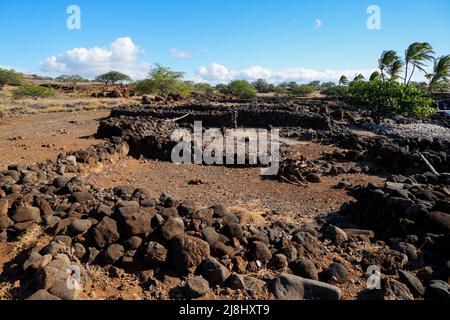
[(216, 40)]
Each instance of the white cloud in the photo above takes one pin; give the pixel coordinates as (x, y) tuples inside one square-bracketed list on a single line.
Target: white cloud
[(216, 72), (318, 24), (219, 73), (121, 55), (177, 53)]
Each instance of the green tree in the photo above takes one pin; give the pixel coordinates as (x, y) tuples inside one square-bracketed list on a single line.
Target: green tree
[(387, 59), (343, 81), (359, 77), (417, 54), (33, 91), (162, 81), (315, 84), (113, 77), (374, 76), (9, 77), (395, 69), (242, 89), (440, 74), (262, 86)]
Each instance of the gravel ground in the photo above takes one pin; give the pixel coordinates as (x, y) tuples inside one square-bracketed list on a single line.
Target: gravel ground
[(412, 130)]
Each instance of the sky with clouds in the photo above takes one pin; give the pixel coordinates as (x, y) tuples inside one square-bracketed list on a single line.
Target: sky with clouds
[(216, 41)]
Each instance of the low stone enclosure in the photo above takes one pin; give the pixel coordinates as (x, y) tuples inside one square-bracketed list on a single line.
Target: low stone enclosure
[(148, 132), (401, 228)]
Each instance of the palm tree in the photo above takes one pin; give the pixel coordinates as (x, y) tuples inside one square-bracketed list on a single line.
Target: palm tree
[(359, 77), (441, 72), (375, 75), (417, 54), (343, 81), (386, 60), (394, 70)]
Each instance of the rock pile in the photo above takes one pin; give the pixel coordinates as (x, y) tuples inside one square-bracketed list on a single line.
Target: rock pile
[(411, 215)]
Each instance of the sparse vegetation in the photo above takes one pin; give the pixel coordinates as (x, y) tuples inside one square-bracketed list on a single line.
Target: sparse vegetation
[(33, 91), (335, 92)]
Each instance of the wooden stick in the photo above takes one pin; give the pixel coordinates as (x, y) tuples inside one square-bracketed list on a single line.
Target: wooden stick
[(429, 164), (180, 118)]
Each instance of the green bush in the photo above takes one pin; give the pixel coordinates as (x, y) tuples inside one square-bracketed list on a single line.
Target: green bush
[(241, 89), (388, 98), (335, 92), (302, 90), (33, 91)]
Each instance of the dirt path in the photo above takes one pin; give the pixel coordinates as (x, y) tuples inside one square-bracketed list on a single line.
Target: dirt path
[(33, 138), (230, 187)]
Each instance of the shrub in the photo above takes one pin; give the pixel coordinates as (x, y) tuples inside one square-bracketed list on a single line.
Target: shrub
[(33, 91), (335, 92), (241, 89), (9, 77), (388, 98), (301, 90), (203, 88)]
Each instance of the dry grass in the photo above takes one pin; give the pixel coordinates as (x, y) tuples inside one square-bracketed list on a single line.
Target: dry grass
[(59, 103), (5, 291), (250, 213), (28, 240)]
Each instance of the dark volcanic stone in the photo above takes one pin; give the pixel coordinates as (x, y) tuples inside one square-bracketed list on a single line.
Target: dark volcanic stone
[(336, 273), (105, 233), (187, 253), (412, 282), (197, 287), (113, 253), (304, 268), (155, 253), (259, 251), (136, 221)]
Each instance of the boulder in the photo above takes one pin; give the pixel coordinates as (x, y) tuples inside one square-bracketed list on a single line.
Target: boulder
[(27, 213), (155, 253), (412, 282), (80, 226), (304, 268), (113, 253), (105, 233), (213, 271), (172, 227), (197, 287), (187, 253), (136, 221), (335, 273), (259, 251)]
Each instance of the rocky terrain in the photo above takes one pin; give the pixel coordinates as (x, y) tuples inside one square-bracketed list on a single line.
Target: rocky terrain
[(65, 237)]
